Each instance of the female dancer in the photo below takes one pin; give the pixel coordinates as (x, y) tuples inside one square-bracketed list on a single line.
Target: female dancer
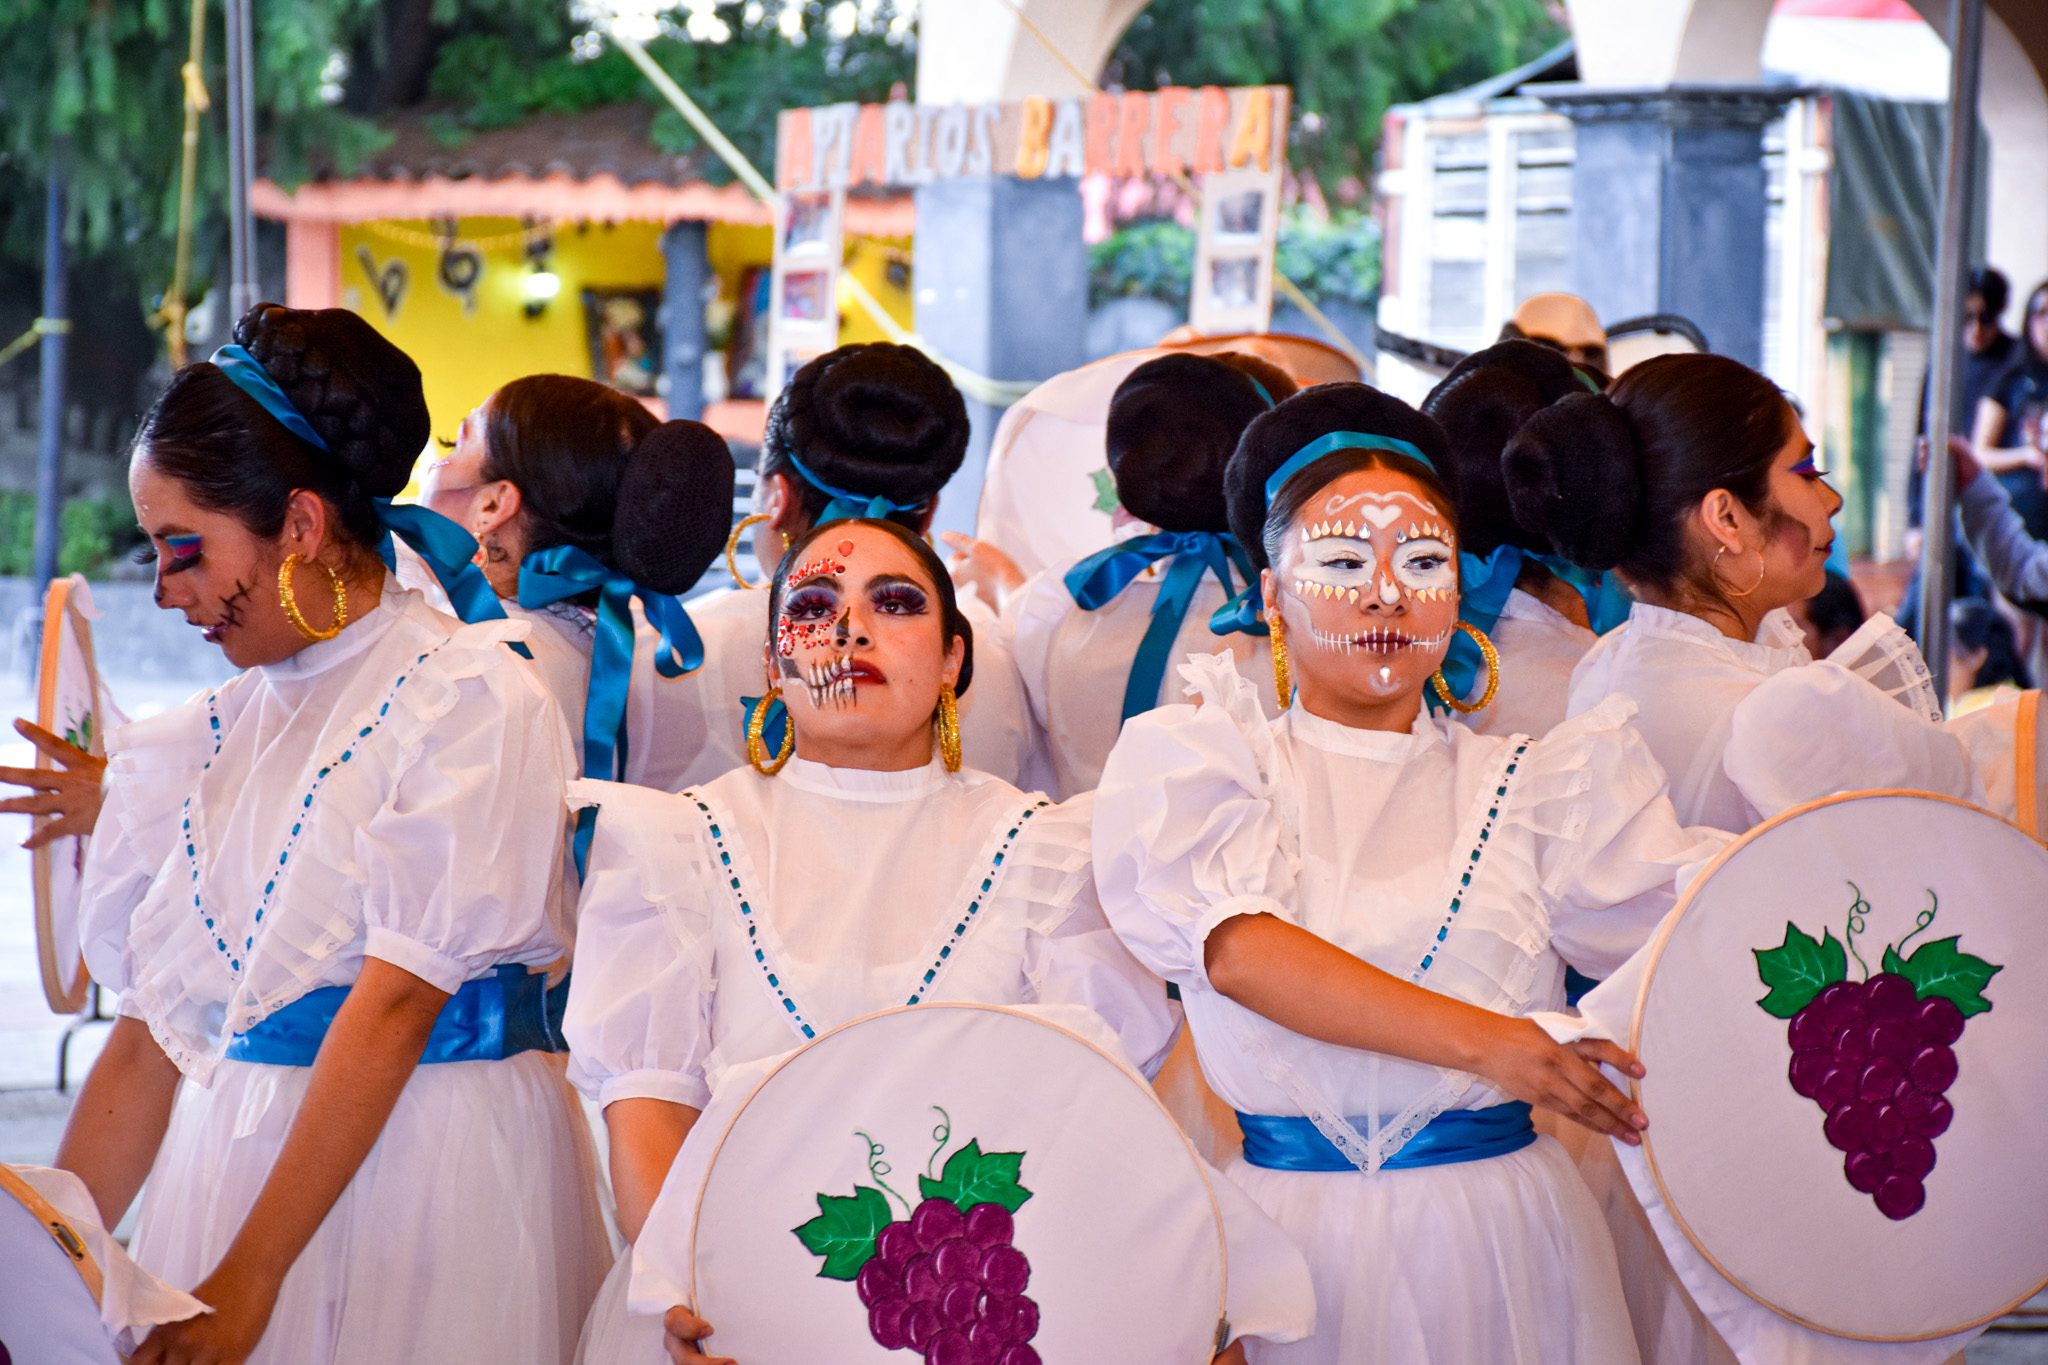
[(1693, 479), (867, 430), (1538, 622), (1358, 902), (582, 503), (322, 893), (859, 848), (1097, 641)]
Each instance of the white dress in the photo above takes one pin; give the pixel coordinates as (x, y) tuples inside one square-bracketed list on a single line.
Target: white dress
[(1075, 664), (853, 885), (1365, 839), (385, 794), (996, 734), (1539, 647), (1749, 730)]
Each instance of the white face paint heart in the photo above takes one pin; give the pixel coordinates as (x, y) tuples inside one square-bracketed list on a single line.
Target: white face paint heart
[(1381, 510)]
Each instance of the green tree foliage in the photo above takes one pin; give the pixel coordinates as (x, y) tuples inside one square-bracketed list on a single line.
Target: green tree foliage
[(1347, 60), (103, 76), (1334, 257)]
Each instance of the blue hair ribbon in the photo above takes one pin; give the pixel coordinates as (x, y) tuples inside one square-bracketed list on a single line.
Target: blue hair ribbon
[(447, 549), (846, 504), (773, 726), (1483, 588), (1098, 579), (564, 571)]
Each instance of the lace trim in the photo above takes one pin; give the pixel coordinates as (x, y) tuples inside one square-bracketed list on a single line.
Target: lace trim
[(981, 898)]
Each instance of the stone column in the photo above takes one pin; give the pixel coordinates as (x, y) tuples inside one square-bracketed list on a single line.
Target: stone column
[(1668, 199), (682, 317), (1001, 287)]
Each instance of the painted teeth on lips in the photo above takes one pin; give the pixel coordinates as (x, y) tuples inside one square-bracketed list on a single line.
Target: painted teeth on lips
[(1377, 641)]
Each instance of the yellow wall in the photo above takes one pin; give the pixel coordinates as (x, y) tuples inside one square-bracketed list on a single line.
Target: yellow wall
[(466, 351)]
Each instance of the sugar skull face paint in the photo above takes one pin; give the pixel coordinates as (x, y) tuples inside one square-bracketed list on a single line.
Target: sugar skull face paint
[(858, 645), (1368, 582)]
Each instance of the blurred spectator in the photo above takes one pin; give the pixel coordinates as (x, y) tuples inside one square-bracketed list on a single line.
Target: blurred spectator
[(1563, 322), (2009, 433), (1983, 655), (1988, 351)]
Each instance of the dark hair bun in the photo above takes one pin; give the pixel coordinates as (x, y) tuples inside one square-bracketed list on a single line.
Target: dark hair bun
[(873, 418), (675, 506), (1574, 476), (357, 390), (1480, 405), (1172, 427), (1273, 438)]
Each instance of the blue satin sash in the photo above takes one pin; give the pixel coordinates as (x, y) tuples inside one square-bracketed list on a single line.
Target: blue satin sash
[(1096, 581), (489, 1019), (561, 572), (1289, 1142)]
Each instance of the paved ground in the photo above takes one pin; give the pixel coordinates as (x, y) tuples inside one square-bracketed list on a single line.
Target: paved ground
[(32, 1113)]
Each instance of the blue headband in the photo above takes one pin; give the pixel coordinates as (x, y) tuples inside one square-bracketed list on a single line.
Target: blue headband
[(1333, 442), (1261, 388), (847, 504), (248, 375)]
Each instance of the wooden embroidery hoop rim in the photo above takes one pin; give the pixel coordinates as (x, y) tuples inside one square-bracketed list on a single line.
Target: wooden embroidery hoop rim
[(1194, 1157), (59, 1229), (1635, 1038)]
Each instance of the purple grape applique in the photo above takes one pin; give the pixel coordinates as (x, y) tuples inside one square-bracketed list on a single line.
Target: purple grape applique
[(946, 1281), (1877, 1055)]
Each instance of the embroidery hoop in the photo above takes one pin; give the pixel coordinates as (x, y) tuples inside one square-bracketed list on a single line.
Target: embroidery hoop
[(68, 682), (1676, 924), (65, 1243), (962, 1130)]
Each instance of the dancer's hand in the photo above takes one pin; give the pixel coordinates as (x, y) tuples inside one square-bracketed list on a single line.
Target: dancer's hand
[(978, 564), (1523, 1061), (242, 1302), (682, 1330), (71, 791)]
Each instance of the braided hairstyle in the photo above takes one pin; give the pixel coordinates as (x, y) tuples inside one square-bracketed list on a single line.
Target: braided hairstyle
[(1172, 425), (360, 393), (597, 471), (876, 419)]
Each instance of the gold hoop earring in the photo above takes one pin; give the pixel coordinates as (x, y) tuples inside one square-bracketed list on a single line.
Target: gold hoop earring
[(1762, 570), (732, 546), (1492, 656), (289, 600), (1283, 679), (947, 722), (757, 747)]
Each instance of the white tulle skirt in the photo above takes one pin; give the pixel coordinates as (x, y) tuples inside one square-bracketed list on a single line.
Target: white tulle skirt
[(470, 1233), (612, 1336), (1482, 1262)]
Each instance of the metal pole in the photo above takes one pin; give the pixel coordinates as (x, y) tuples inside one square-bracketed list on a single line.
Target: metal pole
[(241, 239), (1958, 180), (50, 445)]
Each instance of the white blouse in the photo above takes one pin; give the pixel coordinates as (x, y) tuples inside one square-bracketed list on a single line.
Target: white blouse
[(1539, 647), (1747, 730), (740, 920), (389, 793), (996, 734), (1075, 664), (1473, 865)]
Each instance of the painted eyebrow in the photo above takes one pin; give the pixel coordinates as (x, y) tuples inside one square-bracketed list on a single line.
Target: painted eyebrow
[(164, 533), (884, 580)]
